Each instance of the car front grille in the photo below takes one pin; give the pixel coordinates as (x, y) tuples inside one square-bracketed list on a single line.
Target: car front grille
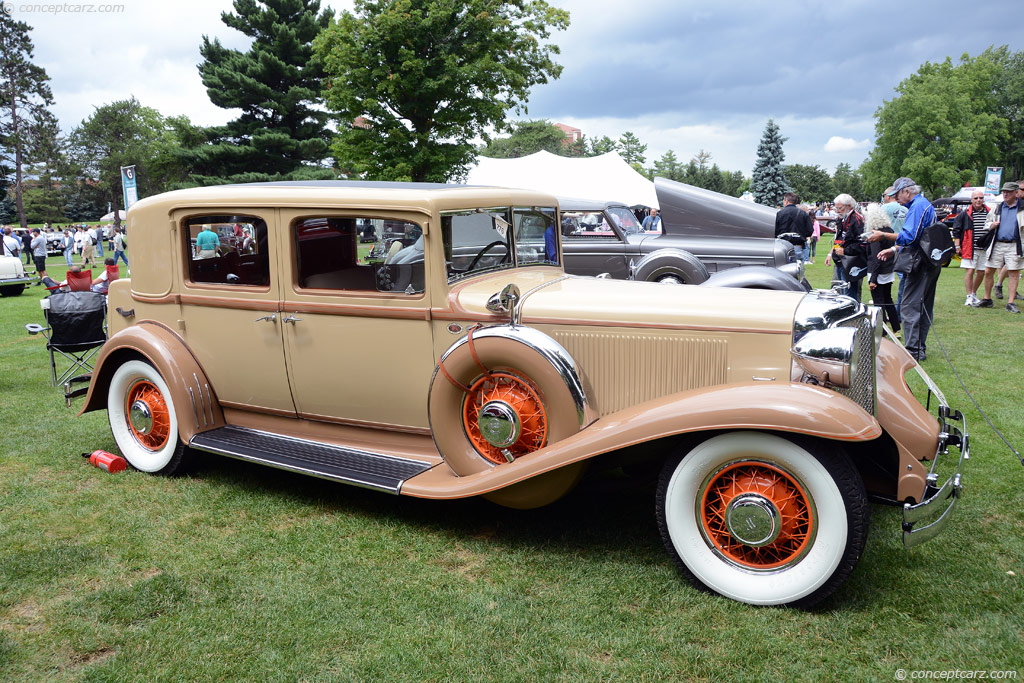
[(862, 385)]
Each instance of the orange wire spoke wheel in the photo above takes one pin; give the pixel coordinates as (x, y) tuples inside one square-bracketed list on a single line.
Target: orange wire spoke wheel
[(148, 417), (504, 417), (756, 515)]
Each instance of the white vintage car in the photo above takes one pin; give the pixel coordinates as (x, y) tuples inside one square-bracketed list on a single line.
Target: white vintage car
[(12, 276)]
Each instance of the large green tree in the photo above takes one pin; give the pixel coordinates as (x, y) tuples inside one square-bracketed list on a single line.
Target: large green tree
[(123, 133), (428, 76), (669, 166), (845, 179), (1008, 92), (25, 97), (276, 84), (811, 183), (769, 180), (528, 137), (942, 129)]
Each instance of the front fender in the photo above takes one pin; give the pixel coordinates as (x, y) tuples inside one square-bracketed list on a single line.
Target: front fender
[(755, 277), (194, 401), (779, 407), (674, 262)]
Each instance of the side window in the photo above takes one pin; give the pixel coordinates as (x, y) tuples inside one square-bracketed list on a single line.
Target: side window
[(340, 253), (228, 250), (586, 225), (536, 238), (476, 240)]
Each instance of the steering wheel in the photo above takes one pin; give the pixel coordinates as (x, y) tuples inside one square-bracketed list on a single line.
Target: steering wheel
[(476, 259)]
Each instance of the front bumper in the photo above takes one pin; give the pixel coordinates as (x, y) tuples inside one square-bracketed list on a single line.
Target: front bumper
[(938, 502), (15, 281)]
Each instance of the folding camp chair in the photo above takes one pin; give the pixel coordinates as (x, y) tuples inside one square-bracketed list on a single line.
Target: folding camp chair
[(80, 282), (75, 329)]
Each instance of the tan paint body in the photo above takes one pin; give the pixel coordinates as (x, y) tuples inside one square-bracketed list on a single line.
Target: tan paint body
[(356, 368)]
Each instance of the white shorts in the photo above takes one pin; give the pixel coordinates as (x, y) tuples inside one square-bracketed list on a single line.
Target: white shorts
[(1005, 253), (976, 263)]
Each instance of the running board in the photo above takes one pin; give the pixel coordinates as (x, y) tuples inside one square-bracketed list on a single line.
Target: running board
[(337, 463)]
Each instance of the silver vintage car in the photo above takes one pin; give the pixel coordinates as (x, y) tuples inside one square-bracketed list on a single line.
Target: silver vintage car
[(702, 235)]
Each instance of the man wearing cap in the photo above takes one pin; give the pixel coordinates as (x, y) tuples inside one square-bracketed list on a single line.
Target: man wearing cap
[(1005, 249), (918, 287)]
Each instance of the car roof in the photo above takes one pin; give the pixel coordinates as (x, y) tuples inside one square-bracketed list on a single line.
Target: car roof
[(420, 197), (578, 204)]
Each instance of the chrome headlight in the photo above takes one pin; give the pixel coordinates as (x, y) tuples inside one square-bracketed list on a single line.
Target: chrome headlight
[(796, 269), (828, 356), (845, 360)]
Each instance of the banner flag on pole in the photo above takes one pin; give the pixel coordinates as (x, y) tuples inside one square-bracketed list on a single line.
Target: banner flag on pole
[(131, 192), (992, 179)]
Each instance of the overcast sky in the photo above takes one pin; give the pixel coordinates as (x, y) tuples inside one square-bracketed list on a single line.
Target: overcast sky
[(682, 75)]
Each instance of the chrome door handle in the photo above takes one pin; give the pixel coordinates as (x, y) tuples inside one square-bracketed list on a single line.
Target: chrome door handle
[(272, 318), (291, 319)]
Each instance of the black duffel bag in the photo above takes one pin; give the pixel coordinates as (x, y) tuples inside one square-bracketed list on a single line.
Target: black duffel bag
[(936, 244)]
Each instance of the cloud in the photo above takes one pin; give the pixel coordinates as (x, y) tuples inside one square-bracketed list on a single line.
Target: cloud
[(840, 144)]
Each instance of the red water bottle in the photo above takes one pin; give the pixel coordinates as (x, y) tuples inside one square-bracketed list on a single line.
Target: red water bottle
[(108, 461)]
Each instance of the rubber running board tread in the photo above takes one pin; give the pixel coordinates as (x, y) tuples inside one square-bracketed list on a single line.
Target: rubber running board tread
[(347, 465)]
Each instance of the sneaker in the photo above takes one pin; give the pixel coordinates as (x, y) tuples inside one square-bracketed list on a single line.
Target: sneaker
[(983, 303), (971, 299), (1012, 307), (999, 291)]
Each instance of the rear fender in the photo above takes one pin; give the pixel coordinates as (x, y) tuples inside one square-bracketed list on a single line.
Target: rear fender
[(194, 399), (755, 277), (778, 407)]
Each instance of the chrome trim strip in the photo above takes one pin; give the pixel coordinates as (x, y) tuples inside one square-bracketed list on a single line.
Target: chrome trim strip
[(209, 402), (195, 410)]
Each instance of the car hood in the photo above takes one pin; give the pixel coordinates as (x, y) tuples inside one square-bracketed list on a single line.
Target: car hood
[(622, 303), (689, 210)]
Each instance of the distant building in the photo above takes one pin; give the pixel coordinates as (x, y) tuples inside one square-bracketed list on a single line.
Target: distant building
[(361, 122), (572, 135)]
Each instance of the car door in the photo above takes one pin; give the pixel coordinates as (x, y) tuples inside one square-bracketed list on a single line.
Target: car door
[(229, 307), (357, 334), (592, 245)]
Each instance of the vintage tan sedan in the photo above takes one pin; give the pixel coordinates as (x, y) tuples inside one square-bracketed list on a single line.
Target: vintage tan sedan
[(467, 363)]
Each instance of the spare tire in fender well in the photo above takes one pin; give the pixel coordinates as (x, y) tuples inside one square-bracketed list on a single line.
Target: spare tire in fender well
[(670, 262)]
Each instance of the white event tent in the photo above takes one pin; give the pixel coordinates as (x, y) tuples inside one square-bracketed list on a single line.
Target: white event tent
[(602, 178)]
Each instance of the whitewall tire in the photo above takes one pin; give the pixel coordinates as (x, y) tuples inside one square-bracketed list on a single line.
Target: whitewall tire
[(143, 419), (763, 519)]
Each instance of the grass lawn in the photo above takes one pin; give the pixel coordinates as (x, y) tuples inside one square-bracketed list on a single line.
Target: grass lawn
[(240, 572)]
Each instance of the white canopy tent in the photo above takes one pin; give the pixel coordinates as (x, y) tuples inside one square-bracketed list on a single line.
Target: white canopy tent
[(602, 178)]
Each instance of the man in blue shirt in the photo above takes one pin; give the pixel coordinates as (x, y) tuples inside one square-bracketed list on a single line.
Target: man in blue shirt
[(917, 305), (652, 222), (1005, 249)]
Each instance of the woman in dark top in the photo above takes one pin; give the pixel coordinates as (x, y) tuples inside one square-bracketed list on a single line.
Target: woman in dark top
[(880, 273)]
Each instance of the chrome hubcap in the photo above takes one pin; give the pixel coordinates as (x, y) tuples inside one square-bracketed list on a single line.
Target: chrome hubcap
[(499, 424), (753, 520), (141, 417)]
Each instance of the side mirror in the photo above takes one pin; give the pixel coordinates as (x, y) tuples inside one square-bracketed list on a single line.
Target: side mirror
[(505, 302)]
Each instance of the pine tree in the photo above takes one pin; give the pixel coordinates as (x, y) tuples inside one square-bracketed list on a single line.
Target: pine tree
[(631, 150), (282, 131), (24, 97), (769, 183)]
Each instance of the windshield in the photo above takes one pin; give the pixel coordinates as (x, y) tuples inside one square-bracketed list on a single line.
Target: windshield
[(624, 219), (494, 238)]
